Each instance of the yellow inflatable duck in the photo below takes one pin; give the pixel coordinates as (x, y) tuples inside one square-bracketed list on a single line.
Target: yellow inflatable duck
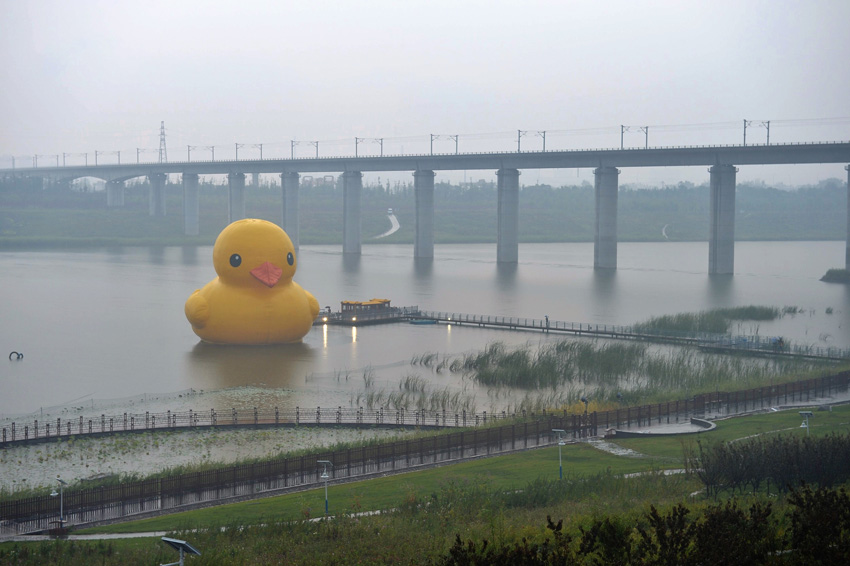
[(253, 300)]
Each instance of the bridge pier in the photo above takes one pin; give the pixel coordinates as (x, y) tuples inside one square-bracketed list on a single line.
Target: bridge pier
[(352, 186), (423, 190), (191, 214), (606, 180), (507, 237), (114, 194), (156, 196), (255, 180), (289, 183), (721, 240), (235, 196), (847, 249)]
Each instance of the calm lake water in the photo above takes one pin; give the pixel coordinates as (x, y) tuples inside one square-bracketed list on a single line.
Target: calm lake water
[(104, 329)]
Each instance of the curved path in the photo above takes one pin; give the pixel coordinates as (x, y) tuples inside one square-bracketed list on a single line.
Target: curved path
[(393, 229)]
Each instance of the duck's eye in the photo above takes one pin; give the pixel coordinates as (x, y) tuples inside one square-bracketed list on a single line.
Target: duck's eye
[(236, 260), (290, 259)]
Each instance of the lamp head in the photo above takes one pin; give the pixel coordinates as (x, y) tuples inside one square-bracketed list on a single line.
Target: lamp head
[(54, 493)]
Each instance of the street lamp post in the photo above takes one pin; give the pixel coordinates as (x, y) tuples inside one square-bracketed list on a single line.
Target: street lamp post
[(806, 415), (561, 432), (325, 477), (61, 495), (584, 422)]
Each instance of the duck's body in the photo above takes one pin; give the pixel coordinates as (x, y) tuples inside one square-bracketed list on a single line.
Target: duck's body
[(253, 300)]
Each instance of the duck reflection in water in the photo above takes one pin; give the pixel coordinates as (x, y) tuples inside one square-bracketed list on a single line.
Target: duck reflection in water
[(216, 366)]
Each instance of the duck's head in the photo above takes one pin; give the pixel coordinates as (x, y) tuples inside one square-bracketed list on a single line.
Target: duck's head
[(254, 253)]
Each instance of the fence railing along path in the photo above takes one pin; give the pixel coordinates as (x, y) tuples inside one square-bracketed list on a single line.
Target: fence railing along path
[(278, 475), (48, 429), (764, 344)]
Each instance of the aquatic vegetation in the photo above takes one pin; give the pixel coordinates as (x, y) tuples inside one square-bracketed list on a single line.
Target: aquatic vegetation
[(413, 383), (614, 371), (715, 321), (368, 378), (428, 359), (420, 397), (108, 459)]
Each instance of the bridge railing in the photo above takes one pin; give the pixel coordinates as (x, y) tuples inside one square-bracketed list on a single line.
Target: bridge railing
[(247, 162)]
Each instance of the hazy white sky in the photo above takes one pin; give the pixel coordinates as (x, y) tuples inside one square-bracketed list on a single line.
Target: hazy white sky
[(86, 75)]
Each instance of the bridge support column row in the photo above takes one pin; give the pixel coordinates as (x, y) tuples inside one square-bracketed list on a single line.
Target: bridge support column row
[(721, 239), (114, 194), (423, 191), (507, 238), (606, 181), (156, 196), (191, 208), (235, 196), (352, 186), (289, 184)]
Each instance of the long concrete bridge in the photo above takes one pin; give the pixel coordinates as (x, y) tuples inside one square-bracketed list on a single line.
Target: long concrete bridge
[(721, 160)]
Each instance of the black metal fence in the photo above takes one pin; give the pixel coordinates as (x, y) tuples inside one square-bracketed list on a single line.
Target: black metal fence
[(503, 433), (43, 430)]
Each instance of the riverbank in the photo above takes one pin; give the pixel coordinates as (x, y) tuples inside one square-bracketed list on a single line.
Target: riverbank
[(63, 217), (837, 276)]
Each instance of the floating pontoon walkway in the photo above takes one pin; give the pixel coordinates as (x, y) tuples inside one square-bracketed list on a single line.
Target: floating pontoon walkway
[(724, 342)]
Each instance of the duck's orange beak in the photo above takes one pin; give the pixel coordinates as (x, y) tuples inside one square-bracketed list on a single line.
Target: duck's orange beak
[(268, 274)]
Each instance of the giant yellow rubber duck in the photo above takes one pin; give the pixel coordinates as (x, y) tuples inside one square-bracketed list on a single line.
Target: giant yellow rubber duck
[(253, 300)]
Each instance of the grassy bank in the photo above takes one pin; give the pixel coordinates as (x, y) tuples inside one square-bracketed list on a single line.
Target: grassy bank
[(507, 473), (504, 500)]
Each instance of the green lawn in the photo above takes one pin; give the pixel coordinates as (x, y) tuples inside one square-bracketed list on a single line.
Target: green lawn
[(502, 472), (782, 422)]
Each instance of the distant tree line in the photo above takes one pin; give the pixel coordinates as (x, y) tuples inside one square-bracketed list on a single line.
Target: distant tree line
[(464, 213)]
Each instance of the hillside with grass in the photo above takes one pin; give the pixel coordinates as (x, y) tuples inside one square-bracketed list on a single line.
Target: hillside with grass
[(649, 503)]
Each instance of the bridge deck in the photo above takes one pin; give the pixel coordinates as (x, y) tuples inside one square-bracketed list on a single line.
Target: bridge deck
[(789, 153)]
